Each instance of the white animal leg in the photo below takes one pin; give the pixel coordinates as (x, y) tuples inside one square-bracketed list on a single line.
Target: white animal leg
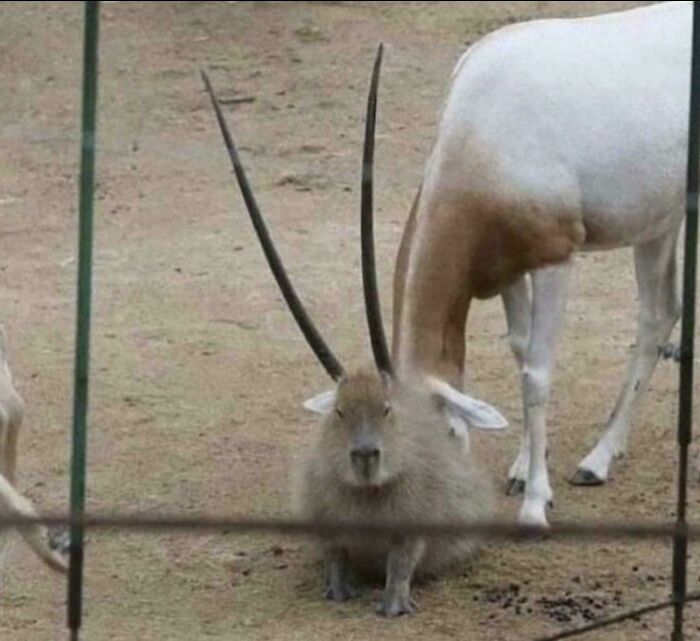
[(659, 310), (4, 467), (12, 502), (36, 536), (549, 287), (518, 308)]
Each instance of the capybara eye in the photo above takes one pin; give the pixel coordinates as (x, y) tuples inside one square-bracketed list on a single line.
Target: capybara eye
[(387, 409), (339, 412)]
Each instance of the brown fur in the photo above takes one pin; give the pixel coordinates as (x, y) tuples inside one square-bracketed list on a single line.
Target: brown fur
[(402, 266), (428, 477), (464, 246)]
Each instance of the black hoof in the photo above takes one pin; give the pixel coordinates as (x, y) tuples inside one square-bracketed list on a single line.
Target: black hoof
[(670, 351), (515, 487), (59, 541), (585, 478)]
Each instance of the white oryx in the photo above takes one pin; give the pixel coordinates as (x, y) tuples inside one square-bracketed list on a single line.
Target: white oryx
[(557, 136), (11, 501)]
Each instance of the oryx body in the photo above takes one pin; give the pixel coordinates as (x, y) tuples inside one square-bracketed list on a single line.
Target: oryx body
[(557, 136)]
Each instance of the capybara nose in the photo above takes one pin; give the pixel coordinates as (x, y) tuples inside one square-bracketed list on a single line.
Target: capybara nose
[(364, 454)]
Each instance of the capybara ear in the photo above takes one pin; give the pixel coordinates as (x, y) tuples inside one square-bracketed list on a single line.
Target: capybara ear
[(322, 403), (476, 413)]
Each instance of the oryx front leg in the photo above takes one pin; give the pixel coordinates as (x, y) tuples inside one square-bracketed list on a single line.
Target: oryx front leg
[(659, 310), (12, 502), (7, 469), (518, 308), (548, 304)]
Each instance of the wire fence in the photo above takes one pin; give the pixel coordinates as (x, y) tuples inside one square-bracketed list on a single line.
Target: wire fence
[(491, 530), (571, 532), (680, 532)]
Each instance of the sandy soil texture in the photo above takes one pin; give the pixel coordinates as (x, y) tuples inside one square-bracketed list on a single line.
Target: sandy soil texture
[(199, 373)]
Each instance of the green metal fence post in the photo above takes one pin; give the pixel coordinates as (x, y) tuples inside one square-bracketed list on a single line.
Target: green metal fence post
[(685, 398), (82, 342)]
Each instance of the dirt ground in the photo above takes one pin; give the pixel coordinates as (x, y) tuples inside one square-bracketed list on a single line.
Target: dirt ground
[(199, 373)]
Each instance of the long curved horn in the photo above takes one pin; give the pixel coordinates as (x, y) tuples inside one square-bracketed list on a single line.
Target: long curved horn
[(369, 269), (311, 334)]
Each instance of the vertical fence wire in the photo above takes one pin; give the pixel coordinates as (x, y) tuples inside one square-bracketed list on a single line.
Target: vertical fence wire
[(685, 397), (82, 341)]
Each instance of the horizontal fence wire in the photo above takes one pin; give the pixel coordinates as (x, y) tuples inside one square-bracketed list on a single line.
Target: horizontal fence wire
[(493, 530)]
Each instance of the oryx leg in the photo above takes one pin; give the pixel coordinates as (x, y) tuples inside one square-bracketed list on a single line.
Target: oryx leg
[(549, 292), (659, 310), (8, 466), (4, 437), (13, 503), (518, 308)]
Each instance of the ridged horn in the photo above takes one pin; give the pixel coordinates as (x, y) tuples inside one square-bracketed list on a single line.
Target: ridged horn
[(369, 269), (313, 337)]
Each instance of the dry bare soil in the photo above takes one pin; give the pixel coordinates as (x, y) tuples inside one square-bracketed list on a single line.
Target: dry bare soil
[(198, 373)]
